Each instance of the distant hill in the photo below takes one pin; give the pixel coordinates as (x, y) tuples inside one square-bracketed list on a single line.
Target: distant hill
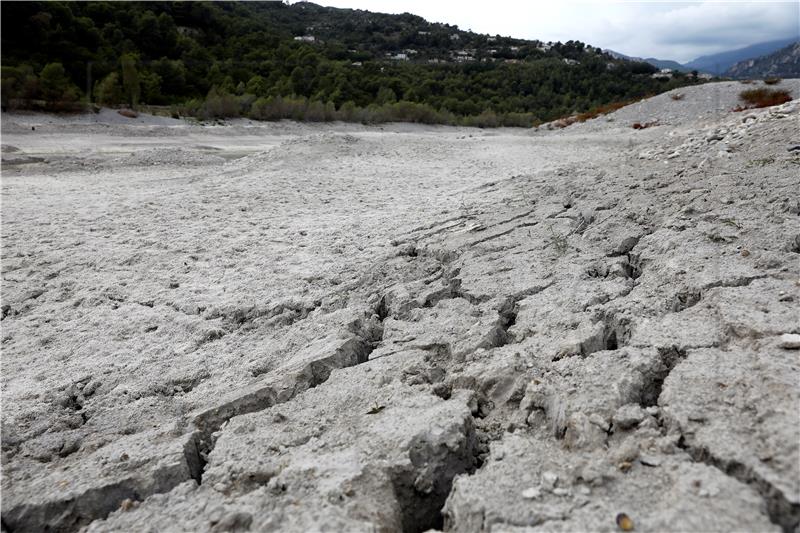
[(658, 63), (666, 63), (273, 60), (785, 63), (719, 63)]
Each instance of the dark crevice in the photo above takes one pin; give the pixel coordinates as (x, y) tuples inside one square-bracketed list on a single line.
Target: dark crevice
[(614, 334), (625, 247), (743, 281), (779, 509), (367, 335), (684, 300), (452, 290), (507, 316), (668, 360), (503, 233), (689, 298), (422, 489), (633, 266)]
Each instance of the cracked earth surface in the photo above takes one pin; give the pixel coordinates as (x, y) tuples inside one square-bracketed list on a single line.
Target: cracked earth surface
[(283, 327)]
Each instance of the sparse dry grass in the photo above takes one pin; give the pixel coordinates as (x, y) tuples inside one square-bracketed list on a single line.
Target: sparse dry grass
[(596, 112), (602, 110), (763, 97), (644, 125)]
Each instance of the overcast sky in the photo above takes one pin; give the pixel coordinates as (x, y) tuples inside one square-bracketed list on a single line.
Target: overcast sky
[(667, 30)]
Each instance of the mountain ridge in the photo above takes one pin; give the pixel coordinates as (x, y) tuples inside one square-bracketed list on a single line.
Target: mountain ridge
[(718, 63), (784, 63)]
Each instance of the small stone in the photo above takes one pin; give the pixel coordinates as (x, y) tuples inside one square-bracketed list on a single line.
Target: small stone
[(532, 493), (649, 460), (790, 341), (628, 416), (127, 504), (599, 421), (561, 492), (549, 479), (624, 522)]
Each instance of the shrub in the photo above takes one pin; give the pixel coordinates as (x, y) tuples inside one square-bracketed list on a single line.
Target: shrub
[(644, 125), (108, 91), (20, 86), (221, 106), (58, 91), (772, 81), (763, 97), (131, 86), (677, 96)]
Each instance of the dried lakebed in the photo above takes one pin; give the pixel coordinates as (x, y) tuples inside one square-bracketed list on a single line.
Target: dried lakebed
[(284, 327)]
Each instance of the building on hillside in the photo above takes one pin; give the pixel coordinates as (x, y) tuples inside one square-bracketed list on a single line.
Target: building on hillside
[(569, 61), (305, 38)]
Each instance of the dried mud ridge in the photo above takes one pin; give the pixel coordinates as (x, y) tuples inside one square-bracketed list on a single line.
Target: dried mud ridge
[(614, 333)]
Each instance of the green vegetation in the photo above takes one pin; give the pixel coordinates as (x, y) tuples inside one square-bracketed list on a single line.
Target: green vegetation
[(269, 60)]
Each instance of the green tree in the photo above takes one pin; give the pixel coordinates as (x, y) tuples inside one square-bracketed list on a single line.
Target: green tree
[(386, 96), (108, 91), (130, 79), (56, 85)]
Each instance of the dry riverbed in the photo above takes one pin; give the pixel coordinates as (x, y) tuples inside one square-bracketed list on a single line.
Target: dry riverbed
[(288, 327)]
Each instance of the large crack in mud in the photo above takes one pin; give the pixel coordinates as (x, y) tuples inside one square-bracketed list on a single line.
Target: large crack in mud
[(473, 331), (781, 511)]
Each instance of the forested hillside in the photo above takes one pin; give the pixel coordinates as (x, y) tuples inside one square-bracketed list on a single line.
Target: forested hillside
[(271, 60)]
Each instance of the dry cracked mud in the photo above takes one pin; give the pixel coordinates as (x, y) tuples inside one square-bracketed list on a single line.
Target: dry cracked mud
[(285, 327)]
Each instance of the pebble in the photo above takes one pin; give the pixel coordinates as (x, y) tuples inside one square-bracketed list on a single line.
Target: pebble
[(649, 460), (532, 493), (549, 479), (790, 341), (628, 416)]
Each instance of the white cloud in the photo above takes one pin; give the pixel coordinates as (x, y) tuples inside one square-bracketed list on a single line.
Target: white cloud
[(667, 30)]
